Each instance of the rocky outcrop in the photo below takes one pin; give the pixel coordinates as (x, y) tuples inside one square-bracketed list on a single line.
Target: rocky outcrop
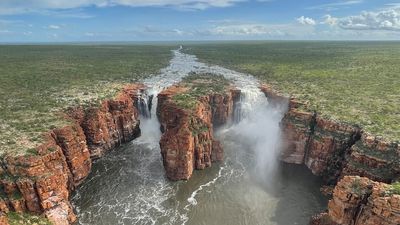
[(320, 143), (327, 147), (274, 97), (333, 149), (114, 122), (374, 158), (40, 180), (187, 142), (297, 128), (3, 219), (360, 201)]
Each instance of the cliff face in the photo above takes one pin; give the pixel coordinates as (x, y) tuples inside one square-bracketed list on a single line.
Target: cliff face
[(374, 158), (114, 122), (327, 147), (296, 130), (41, 180), (360, 201), (319, 143), (332, 149), (187, 142)]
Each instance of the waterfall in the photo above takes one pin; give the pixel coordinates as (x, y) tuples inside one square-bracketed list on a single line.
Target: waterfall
[(144, 104), (257, 121)]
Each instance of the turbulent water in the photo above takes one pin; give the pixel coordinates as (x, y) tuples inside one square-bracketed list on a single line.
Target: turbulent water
[(128, 185)]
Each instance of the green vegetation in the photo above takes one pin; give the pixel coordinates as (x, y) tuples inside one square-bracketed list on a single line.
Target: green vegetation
[(357, 188), (199, 85), (394, 189), (196, 86), (26, 219), (38, 82), (353, 82)]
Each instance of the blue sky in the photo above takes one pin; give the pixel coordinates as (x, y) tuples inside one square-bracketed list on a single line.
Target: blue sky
[(158, 20)]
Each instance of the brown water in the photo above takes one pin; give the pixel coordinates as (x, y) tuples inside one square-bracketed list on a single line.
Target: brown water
[(128, 186)]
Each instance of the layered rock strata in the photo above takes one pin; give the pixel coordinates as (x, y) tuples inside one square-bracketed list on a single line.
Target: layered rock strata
[(40, 181), (361, 201), (375, 158), (187, 142), (332, 149)]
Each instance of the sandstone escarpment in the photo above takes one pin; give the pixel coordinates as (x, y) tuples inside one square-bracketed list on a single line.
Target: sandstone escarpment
[(296, 129), (374, 158), (187, 120), (321, 144), (332, 149), (40, 180), (327, 147), (360, 201)]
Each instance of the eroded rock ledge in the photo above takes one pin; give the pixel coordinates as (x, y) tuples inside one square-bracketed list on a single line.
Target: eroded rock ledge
[(41, 180), (361, 201), (188, 113), (337, 152)]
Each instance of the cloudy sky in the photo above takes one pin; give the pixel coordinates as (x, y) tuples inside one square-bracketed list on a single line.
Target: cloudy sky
[(155, 20)]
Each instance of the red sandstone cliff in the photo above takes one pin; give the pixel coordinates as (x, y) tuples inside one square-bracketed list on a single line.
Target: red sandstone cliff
[(40, 181), (360, 201), (333, 150), (374, 158), (327, 147), (3, 219), (187, 142)]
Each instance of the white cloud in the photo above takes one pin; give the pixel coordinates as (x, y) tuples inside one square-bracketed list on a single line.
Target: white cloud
[(242, 29), (336, 5), (381, 20), (330, 20), (54, 27), (306, 20), (89, 34), (9, 7), (157, 31), (260, 30)]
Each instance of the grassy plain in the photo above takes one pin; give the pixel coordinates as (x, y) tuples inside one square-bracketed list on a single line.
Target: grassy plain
[(39, 81), (354, 82)]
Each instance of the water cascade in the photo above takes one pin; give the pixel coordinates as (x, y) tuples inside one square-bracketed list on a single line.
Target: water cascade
[(128, 186)]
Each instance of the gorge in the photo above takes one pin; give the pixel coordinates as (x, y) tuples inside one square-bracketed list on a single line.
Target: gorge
[(243, 123)]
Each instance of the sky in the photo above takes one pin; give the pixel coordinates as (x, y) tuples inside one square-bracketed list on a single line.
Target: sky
[(176, 20)]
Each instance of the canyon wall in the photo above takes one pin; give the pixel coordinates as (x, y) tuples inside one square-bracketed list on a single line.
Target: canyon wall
[(338, 151), (361, 201), (187, 142), (333, 149), (40, 181)]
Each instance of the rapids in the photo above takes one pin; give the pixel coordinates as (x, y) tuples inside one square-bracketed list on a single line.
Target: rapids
[(128, 185)]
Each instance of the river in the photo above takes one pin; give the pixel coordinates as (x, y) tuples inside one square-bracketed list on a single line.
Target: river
[(128, 185)]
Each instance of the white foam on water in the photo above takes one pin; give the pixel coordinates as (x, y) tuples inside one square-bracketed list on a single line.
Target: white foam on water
[(192, 199), (153, 191)]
